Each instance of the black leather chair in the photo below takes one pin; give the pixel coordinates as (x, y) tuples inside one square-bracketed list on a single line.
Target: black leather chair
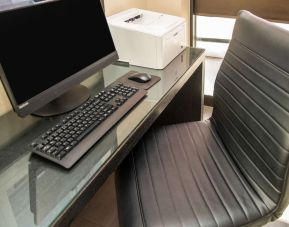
[(231, 170)]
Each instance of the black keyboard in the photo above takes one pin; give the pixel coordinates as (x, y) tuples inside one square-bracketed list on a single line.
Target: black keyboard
[(72, 137)]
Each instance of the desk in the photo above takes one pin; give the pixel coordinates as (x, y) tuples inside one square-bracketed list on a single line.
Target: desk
[(36, 192)]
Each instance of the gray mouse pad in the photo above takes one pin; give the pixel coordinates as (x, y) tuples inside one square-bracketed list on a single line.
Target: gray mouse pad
[(145, 86)]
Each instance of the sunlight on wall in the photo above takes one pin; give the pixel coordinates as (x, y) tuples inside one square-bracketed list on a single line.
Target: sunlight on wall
[(5, 105)]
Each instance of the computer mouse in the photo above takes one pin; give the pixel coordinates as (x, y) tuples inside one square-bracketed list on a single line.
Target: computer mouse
[(140, 77)]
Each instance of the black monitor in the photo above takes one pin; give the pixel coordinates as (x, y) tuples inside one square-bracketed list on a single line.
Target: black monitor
[(47, 49)]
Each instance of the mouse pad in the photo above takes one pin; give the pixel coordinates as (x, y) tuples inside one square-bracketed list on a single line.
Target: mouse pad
[(145, 86)]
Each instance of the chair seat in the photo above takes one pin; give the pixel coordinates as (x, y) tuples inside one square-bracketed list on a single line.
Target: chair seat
[(181, 175)]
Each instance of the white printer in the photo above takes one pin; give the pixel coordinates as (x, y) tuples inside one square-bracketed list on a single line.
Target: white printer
[(148, 39)]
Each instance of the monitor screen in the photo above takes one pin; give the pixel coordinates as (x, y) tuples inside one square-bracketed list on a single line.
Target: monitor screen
[(51, 44)]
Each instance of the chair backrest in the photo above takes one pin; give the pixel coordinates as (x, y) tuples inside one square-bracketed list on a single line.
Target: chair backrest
[(251, 106)]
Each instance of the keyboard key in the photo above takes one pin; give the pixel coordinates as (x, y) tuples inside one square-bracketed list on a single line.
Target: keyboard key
[(33, 144), (51, 150), (39, 147), (61, 155), (44, 149)]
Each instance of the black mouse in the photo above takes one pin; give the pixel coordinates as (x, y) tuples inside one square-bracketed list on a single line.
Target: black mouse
[(140, 77)]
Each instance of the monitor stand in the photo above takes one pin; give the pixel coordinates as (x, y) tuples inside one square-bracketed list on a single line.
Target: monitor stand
[(65, 103)]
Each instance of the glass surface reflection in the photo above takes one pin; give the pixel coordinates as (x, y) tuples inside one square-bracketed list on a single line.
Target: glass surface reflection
[(51, 187), (34, 191)]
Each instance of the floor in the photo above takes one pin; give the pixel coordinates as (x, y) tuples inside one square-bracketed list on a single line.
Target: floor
[(101, 211), (207, 112)]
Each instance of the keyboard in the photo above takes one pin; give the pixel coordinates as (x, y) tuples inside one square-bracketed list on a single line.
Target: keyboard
[(70, 138)]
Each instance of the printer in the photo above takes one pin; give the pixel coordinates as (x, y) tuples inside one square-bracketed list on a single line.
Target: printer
[(148, 39)]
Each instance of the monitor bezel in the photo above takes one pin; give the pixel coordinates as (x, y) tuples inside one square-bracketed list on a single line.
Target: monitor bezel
[(36, 102)]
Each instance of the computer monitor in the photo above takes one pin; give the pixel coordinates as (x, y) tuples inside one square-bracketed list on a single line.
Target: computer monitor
[(47, 49)]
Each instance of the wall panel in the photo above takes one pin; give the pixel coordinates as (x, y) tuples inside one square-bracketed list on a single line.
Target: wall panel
[(115, 6)]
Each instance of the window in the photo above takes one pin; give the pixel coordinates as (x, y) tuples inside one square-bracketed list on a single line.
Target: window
[(214, 35)]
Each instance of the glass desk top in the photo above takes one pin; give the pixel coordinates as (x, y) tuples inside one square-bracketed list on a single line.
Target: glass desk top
[(34, 191)]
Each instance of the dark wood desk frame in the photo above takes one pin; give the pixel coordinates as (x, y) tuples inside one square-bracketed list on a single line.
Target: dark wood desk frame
[(187, 94)]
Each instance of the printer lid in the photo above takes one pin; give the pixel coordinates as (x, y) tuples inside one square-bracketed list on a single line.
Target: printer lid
[(145, 21)]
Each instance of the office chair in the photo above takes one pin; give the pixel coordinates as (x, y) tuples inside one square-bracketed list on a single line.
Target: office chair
[(231, 170)]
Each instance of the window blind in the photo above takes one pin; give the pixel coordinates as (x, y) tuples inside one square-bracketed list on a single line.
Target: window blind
[(276, 10)]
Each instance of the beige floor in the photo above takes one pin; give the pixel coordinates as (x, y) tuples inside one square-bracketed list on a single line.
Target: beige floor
[(101, 211), (207, 112)]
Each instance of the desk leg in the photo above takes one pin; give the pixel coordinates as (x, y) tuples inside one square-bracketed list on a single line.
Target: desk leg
[(188, 103)]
